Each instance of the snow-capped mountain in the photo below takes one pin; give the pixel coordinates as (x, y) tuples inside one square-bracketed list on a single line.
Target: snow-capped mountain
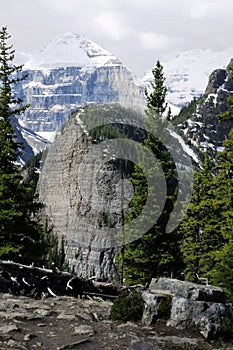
[(187, 75), (72, 71), (72, 50)]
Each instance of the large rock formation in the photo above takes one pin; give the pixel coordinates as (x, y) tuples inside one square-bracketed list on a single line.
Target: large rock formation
[(188, 305), (84, 184), (81, 188)]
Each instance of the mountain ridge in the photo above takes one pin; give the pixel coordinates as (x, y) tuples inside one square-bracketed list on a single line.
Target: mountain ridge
[(187, 75), (73, 71), (202, 127)]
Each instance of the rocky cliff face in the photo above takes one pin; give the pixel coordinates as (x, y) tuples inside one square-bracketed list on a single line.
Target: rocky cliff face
[(86, 189), (70, 72), (81, 190), (203, 128), (55, 94)]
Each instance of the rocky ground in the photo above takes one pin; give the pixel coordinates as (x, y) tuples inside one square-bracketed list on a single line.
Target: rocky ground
[(69, 323)]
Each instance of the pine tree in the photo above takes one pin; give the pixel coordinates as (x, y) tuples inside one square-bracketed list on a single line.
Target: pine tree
[(156, 99), (222, 272), (21, 236), (200, 226), (156, 252), (207, 227)]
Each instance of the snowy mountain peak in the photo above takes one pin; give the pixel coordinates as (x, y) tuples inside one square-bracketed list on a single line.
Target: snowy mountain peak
[(69, 50), (187, 75)]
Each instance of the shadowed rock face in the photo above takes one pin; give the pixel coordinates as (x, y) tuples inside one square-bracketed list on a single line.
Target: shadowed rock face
[(53, 94), (81, 191), (204, 128)]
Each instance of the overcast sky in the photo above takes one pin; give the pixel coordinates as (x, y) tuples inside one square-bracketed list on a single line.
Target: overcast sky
[(138, 32)]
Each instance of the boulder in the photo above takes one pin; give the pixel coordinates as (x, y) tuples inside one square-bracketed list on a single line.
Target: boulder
[(187, 305), (188, 290), (207, 317), (157, 306)]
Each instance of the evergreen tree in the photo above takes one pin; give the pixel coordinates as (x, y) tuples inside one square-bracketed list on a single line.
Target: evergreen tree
[(207, 244), (222, 273), (156, 252), (200, 228), (156, 99), (21, 236)]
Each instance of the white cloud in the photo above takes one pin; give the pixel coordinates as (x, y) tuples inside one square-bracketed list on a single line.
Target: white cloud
[(109, 24), (137, 32), (151, 40), (200, 9)]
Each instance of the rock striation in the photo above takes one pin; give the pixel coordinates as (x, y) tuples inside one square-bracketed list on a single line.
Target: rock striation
[(85, 184), (72, 71), (80, 187)]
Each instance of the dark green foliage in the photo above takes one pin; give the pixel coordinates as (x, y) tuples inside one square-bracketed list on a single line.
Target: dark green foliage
[(222, 273), (156, 252), (128, 306), (186, 112), (226, 328), (56, 251), (200, 227), (21, 236), (207, 227), (31, 170), (156, 99), (164, 308)]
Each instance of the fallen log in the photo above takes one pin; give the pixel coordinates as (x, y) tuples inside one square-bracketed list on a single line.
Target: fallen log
[(35, 281), (11, 266)]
